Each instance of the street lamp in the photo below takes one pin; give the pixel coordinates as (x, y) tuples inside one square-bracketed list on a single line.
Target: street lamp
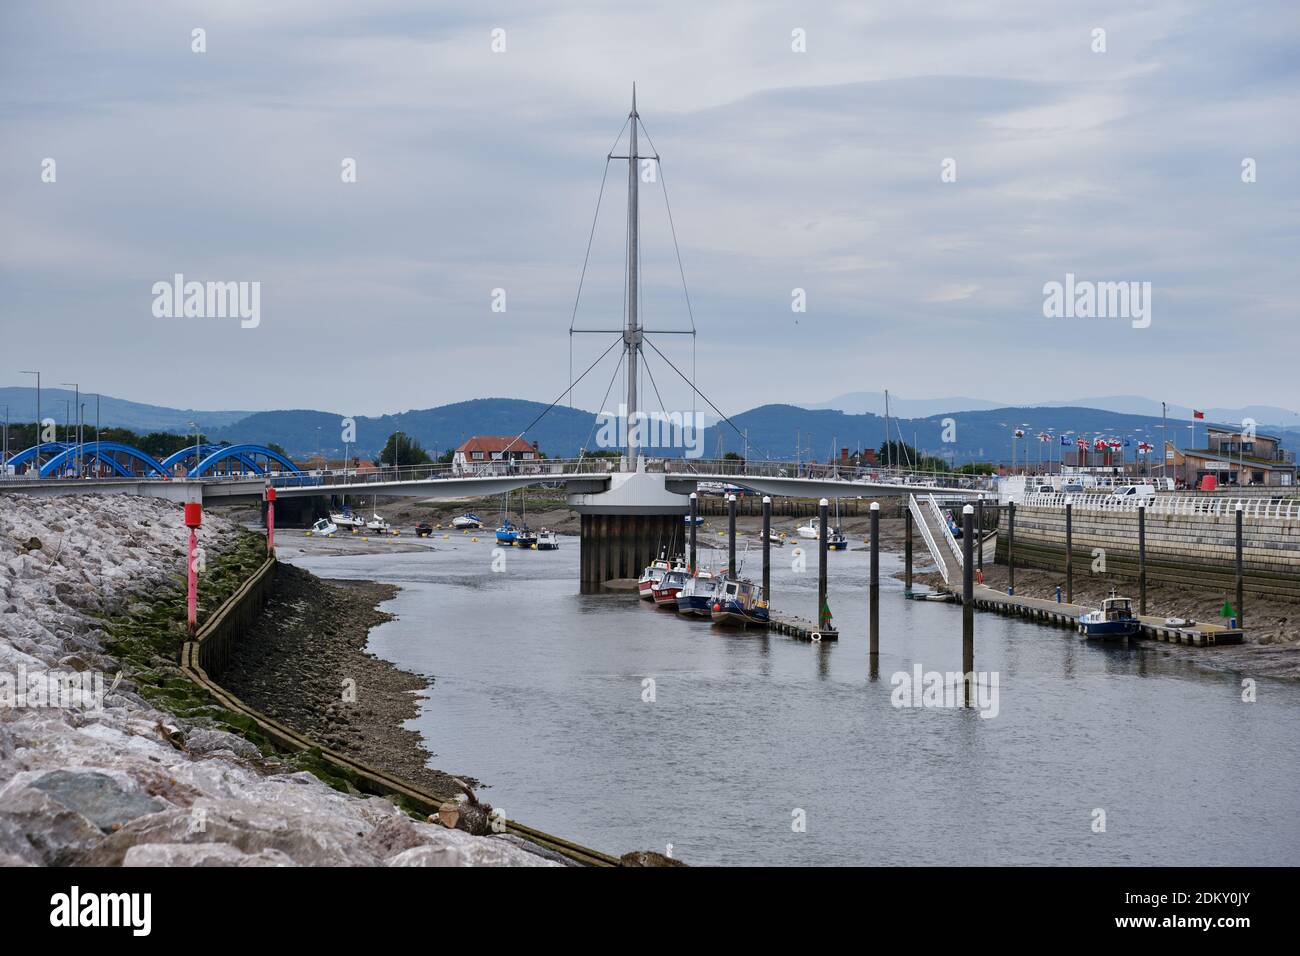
[(197, 457), (76, 456), (38, 419)]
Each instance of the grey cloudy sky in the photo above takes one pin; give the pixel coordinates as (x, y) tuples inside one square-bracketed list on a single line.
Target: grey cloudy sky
[(818, 170)]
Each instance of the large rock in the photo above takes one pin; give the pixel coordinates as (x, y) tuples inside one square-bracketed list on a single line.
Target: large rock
[(128, 784)]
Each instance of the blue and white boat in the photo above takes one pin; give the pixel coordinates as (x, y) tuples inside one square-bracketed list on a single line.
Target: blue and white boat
[(740, 603), (697, 594), (1113, 621), (508, 533)]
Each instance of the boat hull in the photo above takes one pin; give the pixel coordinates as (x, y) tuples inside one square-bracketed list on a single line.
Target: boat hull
[(665, 597), (1108, 630), (732, 614)]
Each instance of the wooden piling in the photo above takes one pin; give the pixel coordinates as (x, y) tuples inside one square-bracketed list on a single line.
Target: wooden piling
[(767, 550), (907, 549), (1011, 547), (1241, 577), (1069, 552), (1142, 557), (967, 599), (822, 551), (731, 535), (695, 510), (874, 655)]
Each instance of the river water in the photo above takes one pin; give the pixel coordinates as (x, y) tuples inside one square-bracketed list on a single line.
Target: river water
[(761, 749)]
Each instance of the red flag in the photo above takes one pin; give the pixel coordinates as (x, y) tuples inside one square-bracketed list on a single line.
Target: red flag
[(1196, 414)]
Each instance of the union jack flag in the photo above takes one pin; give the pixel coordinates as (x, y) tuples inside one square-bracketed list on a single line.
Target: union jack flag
[(1043, 436), (1082, 442)]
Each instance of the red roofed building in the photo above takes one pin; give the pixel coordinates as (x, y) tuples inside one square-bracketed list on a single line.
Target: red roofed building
[(482, 450)]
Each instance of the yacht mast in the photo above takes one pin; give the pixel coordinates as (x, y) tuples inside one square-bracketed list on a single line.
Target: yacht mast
[(632, 335)]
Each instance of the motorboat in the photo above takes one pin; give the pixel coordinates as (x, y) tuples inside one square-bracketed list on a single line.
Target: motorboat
[(468, 520), (325, 527), (1112, 621), (740, 603), (654, 573), (696, 595), (669, 586)]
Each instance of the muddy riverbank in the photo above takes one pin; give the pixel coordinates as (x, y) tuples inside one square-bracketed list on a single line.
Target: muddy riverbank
[(304, 662)]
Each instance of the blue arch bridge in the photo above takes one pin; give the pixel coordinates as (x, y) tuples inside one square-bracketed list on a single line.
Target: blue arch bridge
[(109, 459)]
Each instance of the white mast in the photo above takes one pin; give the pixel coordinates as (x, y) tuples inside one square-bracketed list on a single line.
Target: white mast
[(632, 335)]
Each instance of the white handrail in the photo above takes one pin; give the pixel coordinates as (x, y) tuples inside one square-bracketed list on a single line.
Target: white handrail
[(1253, 507), (946, 531), (919, 519)]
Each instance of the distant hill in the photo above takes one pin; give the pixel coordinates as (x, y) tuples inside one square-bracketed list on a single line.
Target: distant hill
[(981, 434), (1269, 416), (113, 412), (303, 432)]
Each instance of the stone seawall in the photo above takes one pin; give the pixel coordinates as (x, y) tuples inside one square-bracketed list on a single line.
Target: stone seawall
[(1187, 549)]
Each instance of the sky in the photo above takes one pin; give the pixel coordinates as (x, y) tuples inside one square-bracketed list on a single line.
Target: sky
[(820, 169)]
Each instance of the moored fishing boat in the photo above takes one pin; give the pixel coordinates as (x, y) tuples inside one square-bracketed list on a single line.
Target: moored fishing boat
[(696, 595), (547, 541), (740, 603), (1114, 620), (654, 573), (665, 592), (837, 541)]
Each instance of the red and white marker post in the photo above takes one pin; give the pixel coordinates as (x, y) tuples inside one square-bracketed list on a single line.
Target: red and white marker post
[(270, 520), (193, 518)]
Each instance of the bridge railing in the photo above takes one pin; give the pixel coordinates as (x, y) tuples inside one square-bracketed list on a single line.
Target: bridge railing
[(1218, 506), (944, 530), (918, 518)]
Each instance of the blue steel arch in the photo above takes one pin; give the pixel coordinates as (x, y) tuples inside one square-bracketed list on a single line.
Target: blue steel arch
[(244, 452), (28, 454), (104, 450), (186, 453)]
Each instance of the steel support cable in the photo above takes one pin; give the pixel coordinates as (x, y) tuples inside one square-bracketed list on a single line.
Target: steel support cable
[(560, 397)]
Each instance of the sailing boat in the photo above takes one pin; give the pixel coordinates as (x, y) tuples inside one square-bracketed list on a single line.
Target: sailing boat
[(835, 538), (507, 532), (525, 538)]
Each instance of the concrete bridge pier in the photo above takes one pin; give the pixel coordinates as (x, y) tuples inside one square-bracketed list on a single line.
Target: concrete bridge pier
[(628, 526)]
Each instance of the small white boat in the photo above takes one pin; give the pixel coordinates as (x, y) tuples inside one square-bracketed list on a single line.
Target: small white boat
[(467, 520), (547, 541), (1179, 622), (808, 530), (325, 528), (776, 539), (377, 524), (346, 519)]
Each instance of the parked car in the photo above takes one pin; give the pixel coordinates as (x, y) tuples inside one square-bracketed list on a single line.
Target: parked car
[(1135, 491)]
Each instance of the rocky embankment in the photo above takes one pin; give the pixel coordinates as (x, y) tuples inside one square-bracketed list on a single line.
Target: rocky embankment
[(109, 756)]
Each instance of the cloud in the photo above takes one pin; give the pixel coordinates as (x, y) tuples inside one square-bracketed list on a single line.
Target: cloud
[(477, 171)]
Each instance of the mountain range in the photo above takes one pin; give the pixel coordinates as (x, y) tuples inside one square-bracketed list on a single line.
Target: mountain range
[(774, 431)]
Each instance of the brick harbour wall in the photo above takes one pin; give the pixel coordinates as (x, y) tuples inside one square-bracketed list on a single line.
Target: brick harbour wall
[(1195, 550)]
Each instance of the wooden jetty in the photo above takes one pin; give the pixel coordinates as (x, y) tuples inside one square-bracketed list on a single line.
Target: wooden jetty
[(1067, 615), (804, 630)]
